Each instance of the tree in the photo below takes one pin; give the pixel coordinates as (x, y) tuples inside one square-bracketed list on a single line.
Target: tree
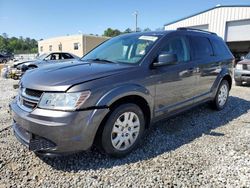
[(147, 29), (159, 29), (5, 35), (111, 32), (128, 30), (138, 29), (17, 45)]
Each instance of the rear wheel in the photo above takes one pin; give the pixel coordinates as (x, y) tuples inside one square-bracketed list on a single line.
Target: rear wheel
[(123, 130), (221, 96), (4, 61)]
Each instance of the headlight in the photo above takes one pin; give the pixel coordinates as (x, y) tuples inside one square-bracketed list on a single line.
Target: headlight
[(63, 101), (239, 66)]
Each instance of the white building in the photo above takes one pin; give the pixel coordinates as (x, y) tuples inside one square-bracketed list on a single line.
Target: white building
[(232, 23)]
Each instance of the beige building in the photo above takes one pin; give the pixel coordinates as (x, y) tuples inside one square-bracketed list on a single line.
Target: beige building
[(75, 44)]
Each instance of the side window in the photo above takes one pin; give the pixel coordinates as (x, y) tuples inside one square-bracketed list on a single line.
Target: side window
[(47, 58), (202, 47), (66, 56), (179, 47), (52, 57), (219, 47)]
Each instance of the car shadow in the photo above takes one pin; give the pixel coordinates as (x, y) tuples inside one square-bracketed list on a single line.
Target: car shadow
[(164, 136)]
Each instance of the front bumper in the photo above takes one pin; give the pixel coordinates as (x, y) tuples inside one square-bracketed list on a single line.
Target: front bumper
[(242, 75), (56, 132)]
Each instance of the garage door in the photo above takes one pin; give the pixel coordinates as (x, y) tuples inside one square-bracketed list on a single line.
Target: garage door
[(238, 31), (201, 27)]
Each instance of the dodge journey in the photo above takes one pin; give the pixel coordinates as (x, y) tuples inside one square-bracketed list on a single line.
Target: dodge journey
[(112, 95)]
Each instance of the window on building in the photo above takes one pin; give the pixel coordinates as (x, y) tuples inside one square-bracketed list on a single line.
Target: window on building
[(41, 48), (202, 47), (60, 47), (50, 47), (76, 46)]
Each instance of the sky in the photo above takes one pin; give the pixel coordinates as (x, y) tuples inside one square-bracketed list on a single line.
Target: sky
[(41, 19)]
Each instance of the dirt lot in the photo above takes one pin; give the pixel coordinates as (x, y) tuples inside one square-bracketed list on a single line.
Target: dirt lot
[(201, 147)]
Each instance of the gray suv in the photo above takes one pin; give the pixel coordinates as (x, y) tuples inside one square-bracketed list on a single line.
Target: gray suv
[(119, 89)]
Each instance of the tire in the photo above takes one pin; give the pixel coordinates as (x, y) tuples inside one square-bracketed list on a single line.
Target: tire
[(4, 61), (221, 97), (238, 83), (119, 139)]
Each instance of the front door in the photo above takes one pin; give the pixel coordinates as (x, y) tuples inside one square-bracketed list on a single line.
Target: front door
[(175, 86)]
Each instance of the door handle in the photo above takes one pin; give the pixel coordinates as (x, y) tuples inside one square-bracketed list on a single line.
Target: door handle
[(194, 69)]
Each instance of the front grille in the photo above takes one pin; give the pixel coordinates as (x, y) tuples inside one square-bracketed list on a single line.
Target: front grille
[(29, 104), (247, 75), (39, 144), (28, 99), (33, 93)]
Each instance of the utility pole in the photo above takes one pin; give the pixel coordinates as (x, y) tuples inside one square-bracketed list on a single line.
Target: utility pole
[(136, 16)]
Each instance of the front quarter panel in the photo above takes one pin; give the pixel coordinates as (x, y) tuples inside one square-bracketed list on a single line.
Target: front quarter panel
[(125, 90)]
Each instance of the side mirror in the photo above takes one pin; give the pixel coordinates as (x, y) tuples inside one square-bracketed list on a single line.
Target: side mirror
[(165, 59)]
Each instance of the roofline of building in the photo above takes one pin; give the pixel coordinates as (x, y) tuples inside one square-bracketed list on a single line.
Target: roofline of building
[(220, 6), (81, 35)]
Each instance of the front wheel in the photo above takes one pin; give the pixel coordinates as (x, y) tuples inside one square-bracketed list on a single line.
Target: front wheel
[(123, 130), (221, 96)]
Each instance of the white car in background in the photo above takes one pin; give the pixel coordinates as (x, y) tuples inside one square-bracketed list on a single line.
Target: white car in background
[(45, 59)]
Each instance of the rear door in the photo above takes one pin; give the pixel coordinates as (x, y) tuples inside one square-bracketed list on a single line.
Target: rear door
[(207, 65)]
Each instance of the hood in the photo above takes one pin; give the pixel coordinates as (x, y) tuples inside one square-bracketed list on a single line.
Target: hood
[(17, 63), (245, 61), (59, 77)]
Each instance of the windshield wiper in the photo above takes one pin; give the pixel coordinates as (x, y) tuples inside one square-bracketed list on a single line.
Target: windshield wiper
[(99, 60)]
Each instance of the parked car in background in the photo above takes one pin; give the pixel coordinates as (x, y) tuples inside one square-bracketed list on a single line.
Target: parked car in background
[(4, 58), (119, 89), (242, 71), (45, 59)]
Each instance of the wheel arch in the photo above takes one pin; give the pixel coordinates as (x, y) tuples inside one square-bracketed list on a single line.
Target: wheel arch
[(225, 74), (127, 94), (32, 66)]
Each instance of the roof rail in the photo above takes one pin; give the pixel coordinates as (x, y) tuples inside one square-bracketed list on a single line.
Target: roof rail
[(193, 29)]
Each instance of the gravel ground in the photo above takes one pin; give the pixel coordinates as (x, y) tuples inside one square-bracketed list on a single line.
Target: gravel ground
[(201, 147)]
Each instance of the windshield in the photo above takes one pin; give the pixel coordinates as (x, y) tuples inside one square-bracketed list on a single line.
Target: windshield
[(41, 57), (247, 56), (128, 49)]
